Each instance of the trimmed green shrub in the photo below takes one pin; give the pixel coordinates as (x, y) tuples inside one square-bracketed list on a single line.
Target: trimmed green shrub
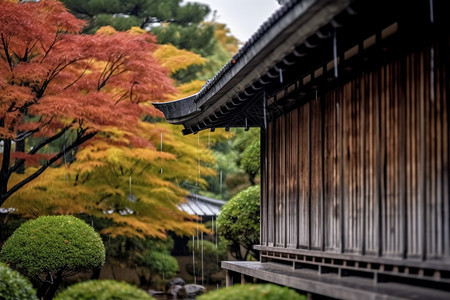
[(14, 286), (253, 292), (251, 160), (161, 263), (238, 223), (54, 243), (103, 290), (53, 247)]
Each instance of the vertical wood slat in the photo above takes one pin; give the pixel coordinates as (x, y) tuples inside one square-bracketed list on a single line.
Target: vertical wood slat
[(322, 175), (362, 141), (264, 186), (371, 138), (304, 170), (346, 167), (292, 178), (309, 177), (280, 200), (330, 173), (315, 174), (444, 60), (271, 185), (341, 169), (402, 170), (422, 166)]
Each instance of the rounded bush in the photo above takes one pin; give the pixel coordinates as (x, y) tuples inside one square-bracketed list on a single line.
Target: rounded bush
[(15, 286), (253, 292), (103, 290), (51, 244), (238, 221), (251, 158), (161, 263)]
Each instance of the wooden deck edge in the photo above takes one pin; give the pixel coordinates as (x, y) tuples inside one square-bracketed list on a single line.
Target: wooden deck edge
[(328, 285)]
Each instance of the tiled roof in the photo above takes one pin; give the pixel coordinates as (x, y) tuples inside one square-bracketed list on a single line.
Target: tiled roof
[(201, 206)]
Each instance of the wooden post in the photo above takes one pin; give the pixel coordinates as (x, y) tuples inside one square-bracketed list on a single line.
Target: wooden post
[(228, 278), (243, 279)]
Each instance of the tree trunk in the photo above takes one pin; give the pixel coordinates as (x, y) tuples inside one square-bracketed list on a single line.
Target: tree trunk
[(20, 147), (4, 171), (54, 287), (251, 178), (96, 274), (42, 290)]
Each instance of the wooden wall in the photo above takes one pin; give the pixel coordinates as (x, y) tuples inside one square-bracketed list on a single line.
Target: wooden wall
[(364, 168)]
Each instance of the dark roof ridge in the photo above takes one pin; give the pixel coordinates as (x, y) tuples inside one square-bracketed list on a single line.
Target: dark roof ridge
[(264, 27)]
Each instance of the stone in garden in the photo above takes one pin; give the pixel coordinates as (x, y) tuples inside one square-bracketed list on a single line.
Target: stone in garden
[(191, 290)]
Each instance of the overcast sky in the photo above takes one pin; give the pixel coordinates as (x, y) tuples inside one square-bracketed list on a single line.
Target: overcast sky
[(243, 17)]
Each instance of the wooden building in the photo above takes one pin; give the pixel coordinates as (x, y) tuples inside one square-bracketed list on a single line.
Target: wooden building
[(352, 98)]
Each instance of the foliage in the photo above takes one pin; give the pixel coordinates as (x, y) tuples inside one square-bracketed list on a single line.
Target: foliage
[(247, 145), (54, 243), (238, 223), (56, 246), (175, 59), (251, 160), (161, 263), (62, 88), (125, 185), (14, 286), (229, 154), (156, 256), (129, 179), (210, 254), (142, 13), (103, 290), (253, 292), (173, 22)]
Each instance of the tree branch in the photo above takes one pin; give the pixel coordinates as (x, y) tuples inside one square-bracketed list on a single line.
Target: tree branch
[(35, 149), (76, 80), (50, 47), (4, 174), (77, 142), (5, 47)]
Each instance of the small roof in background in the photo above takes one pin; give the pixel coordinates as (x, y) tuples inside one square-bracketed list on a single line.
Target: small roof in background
[(201, 206)]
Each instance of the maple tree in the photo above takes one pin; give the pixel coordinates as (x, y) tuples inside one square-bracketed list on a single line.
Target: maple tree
[(135, 184), (136, 188), (58, 86)]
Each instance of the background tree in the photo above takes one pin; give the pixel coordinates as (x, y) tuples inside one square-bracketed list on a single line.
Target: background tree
[(123, 14), (189, 78), (54, 247), (56, 84), (160, 263), (174, 22), (237, 162), (238, 223), (248, 146), (210, 255)]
